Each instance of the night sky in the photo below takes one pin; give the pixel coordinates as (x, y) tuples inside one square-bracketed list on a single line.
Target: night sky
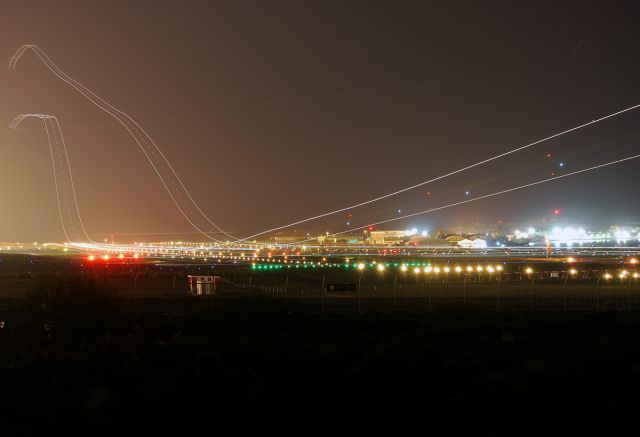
[(273, 111)]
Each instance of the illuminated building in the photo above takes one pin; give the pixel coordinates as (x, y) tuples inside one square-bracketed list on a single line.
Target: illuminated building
[(383, 237)]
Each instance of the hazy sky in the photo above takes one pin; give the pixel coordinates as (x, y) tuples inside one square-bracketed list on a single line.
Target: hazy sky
[(273, 111)]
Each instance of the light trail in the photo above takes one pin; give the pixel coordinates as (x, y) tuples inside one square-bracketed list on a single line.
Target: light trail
[(460, 170), (178, 192), (68, 208), (172, 183), (498, 193)]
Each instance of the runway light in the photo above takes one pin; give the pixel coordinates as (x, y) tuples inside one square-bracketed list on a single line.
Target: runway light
[(436, 269), (571, 259), (479, 268), (469, 269), (447, 269), (490, 269), (458, 269), (91, 258), (403, 268), (105, 257), (360, 266), (529, 270), (381, 267), (633, 261), (573, 271), (607, 276), (416, 270), (428, 269), (499, 268), (635, 275)]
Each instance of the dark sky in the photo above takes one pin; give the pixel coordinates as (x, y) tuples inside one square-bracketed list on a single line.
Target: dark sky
[(306, 107)]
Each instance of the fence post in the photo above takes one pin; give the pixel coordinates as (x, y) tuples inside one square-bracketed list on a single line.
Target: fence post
[(135, 290), (464, 292), (565, 292), (359, 281), (395, 282), (324, 296)]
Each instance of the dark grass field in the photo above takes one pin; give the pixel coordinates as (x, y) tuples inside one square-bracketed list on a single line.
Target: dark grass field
[(76, 358), (257, 370)]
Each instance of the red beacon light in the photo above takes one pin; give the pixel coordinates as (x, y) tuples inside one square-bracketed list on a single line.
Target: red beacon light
[(556, 212)]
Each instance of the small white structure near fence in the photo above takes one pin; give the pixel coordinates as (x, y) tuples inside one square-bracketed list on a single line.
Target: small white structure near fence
[(203, 285), (476, 243)]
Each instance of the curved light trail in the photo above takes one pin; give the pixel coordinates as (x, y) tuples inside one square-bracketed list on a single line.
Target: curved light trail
[(70, 217), (183, 200), (172, 183)]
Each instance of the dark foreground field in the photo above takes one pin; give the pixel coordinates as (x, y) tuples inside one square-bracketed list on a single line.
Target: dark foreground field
[(256, 369)]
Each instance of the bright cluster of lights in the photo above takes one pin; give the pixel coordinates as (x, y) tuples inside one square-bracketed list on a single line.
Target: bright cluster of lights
[(523, 235), (622, 235), (414, 231), (623, 274), (567, 236), (570, 236), (417, 268)]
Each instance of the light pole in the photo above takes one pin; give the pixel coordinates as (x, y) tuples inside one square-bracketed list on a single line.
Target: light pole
[(381, 268), (571, 272), (361, 267), (607, 277), (428, 271)]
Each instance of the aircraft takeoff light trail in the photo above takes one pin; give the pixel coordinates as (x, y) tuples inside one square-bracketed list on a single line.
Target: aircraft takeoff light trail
[(178, 192), (70, 217), (460, 170), (172, 183), (531, 184)]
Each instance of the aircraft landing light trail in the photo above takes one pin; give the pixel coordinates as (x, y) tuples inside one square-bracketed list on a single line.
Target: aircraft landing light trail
[(180, 195)]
